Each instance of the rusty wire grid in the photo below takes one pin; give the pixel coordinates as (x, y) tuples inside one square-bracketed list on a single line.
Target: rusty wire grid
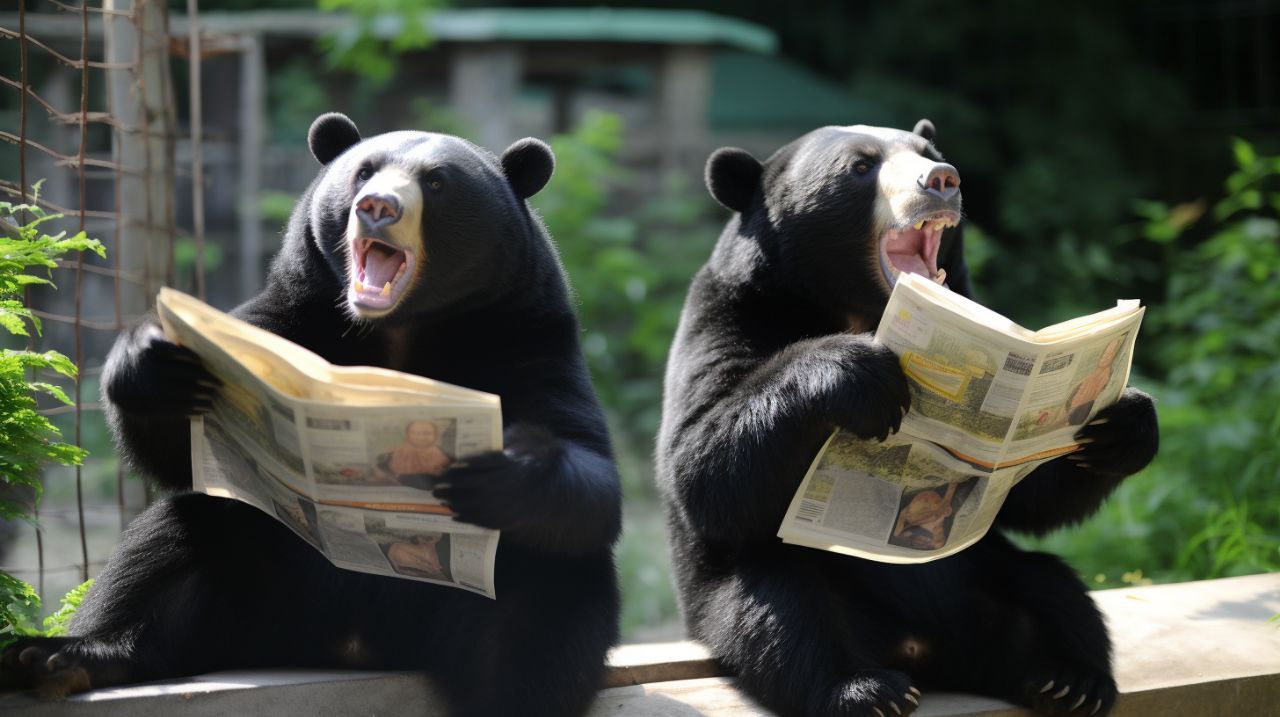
[(94, 105)]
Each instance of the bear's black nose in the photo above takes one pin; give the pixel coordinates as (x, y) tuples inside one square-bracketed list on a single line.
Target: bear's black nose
[(378, 210), (942, 181)]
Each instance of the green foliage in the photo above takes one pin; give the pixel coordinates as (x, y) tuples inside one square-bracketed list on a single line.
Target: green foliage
[(648, 601), (629, 261), (432, 116), (185, 254), (57, 623), (296, 96), (276, 206), (1052, 120), (361, 48), (23, 247), (20, 610), (630, 254), (28, 439), (1207, 507), (19, 606)]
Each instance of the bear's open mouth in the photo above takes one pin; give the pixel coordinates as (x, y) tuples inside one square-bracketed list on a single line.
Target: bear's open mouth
[(913, 248), (380, 272)]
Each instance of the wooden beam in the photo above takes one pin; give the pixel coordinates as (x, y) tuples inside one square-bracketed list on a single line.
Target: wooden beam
[(253, 93), (141, 99), (1202, 648)]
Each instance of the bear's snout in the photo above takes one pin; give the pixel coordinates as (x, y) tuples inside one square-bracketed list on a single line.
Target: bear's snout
[(942, 181), (378, 210)]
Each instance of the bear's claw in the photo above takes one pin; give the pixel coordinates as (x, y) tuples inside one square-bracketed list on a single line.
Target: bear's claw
[(1079, 693), (883, 693), (44, 666), (1122, 440), (150, 376)]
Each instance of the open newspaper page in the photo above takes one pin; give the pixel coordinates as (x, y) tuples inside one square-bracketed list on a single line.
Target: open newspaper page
[(990, 402), (351, 474)]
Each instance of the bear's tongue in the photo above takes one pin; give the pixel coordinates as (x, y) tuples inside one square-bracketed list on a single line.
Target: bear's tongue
[(381, 264), (913, 251)]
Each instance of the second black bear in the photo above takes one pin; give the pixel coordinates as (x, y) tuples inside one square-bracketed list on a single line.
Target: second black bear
[(772, 353), (417, 252)]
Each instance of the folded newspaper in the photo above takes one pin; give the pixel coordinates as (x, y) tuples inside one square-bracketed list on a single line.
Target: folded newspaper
[(990, 401), (346, 457)]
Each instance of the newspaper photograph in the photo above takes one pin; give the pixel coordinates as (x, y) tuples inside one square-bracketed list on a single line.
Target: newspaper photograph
[(351, 474), (1070, 384), (990, 401)]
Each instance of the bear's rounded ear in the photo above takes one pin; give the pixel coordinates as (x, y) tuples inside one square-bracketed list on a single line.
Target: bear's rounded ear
[(925, 129), (331, 135), (528, 164), (733, 176)]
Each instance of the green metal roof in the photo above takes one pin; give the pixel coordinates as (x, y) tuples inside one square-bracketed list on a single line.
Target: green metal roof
[(796, 98), (600, 24), (603, 24)]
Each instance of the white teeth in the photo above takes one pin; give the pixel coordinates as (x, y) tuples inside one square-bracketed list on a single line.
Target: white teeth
[(386, 289), (941, 276), (358, 286), (399, 272)]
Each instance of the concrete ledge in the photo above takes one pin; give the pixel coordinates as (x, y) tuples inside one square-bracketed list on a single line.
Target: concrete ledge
[(1204, 648)]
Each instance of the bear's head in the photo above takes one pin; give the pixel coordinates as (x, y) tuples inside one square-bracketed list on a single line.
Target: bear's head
[(838, 214), (416, 222)]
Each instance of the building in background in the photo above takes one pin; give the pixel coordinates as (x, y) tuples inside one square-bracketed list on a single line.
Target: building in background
[(683, 82)]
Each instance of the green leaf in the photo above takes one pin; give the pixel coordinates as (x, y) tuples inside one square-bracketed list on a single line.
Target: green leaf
[(12, 322), (51, 390), (59, 363), (57, 623), (13, 510), (19, 605), (28, 440), (26, 279), (1244, 154)]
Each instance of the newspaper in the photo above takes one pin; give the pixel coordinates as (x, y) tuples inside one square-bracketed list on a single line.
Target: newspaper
[(990, 401), (346, 457)]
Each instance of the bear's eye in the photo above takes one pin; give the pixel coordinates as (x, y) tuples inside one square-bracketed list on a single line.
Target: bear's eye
[(862, 166), (365, 173), (435, 183)]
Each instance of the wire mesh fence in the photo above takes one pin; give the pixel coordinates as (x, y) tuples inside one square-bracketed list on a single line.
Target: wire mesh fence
[(89, 132)]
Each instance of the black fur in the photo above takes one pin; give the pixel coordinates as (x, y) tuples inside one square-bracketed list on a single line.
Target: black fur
[(925, 129), (202, 583), (762, 368), (330, 135), (528, 165), (733, 177)]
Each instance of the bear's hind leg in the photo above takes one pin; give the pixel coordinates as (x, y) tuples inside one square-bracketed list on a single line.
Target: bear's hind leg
[(540, 649), (1055, 654), (797, 647), (187, 591), (58, 666)]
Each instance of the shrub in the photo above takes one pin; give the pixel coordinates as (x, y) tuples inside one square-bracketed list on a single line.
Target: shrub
[(27, 439), (1207, 506)]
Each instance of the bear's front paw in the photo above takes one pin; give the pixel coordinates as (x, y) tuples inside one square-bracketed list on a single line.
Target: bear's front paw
[(45, 665), (152, 377), (502, 490), (1081, 692), (1122, 439), (874, 693), (868, 394)]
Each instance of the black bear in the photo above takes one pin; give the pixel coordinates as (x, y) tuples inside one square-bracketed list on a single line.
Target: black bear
[(447, 273), (772, 353)]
